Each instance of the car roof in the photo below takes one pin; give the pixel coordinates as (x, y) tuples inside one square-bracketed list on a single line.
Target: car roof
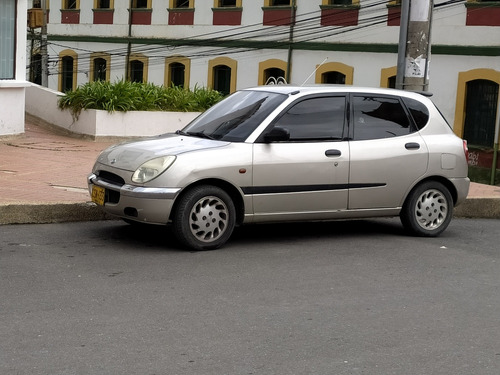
[(325, 88)]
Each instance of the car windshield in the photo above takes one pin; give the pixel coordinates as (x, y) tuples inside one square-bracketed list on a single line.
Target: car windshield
[(236, 117)]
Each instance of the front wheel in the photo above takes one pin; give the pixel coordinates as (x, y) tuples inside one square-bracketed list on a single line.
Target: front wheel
[(427, 210), (204, 218)]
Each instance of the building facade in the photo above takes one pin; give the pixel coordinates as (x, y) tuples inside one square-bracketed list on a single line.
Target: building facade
[(12, 66), (232, 44)]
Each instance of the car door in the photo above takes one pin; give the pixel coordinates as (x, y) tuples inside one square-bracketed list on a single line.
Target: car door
[(387, 152), (308, 173)]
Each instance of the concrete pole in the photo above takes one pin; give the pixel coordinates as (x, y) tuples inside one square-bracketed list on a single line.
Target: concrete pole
[(43, 46), (414, 45)]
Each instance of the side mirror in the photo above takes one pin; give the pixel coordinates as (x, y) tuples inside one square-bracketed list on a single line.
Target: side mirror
[(277, 134)]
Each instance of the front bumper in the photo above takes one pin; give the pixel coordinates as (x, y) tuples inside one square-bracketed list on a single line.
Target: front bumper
[(139, 203)]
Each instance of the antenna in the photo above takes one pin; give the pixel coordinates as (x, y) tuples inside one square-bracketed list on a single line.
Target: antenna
[(314, 71)]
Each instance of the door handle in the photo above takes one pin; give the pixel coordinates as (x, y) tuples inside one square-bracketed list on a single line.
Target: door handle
[(412, 146), (333, 153)]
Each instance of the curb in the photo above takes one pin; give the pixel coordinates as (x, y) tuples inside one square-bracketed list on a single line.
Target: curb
[(479, 208), (47, 213), (43, 213)]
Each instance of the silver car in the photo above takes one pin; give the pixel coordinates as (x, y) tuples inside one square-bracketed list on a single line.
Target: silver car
[(286, 153)]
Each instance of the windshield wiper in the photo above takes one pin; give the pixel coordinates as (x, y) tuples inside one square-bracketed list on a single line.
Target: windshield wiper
[(200, 134), (180, 132)]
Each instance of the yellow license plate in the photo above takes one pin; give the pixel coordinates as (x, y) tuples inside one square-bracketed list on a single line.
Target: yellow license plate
[(98, 194)]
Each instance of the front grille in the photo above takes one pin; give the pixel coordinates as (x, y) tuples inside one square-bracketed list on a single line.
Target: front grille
[(111, 178)]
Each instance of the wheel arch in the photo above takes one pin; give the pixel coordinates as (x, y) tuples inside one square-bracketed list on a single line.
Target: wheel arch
[(443, 180), (229, 188)]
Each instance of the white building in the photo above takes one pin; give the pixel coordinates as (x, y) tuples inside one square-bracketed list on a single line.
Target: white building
[(12, 66), (233, 44)]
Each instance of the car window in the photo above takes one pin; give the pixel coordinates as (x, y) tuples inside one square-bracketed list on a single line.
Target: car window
[(320, 118), (236, 117), (418, 111), (377, 117)]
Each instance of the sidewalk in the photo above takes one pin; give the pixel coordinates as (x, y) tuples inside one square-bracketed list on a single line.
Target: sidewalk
[(43, 180)]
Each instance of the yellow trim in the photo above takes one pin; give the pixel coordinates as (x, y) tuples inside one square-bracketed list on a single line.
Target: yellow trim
[(100, 55), (187, 70), (74, 55), (140, 57), (172, 4), (111, 4), (387, 73), (463, 78), (232, 64), (217, 2), (269, 64), (346, 70), (63, 4), (328, 2)]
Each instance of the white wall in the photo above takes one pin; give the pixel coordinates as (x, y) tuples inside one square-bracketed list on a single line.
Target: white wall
[(12, 91)]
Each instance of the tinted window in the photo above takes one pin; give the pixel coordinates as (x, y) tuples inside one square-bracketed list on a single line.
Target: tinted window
[(236, 117), (378, 117), (315, 119), (418, 111)]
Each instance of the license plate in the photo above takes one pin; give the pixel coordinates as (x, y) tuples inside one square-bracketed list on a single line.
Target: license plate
[(98, 194)]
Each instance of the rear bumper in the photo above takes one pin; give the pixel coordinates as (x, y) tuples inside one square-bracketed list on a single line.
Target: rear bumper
[(139, 203), (462, 186)]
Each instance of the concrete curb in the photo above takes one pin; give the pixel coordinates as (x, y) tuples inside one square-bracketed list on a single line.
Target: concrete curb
[(46, 213), (485, 208)]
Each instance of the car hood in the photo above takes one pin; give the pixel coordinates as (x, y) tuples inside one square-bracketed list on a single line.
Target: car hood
[(131, 155)]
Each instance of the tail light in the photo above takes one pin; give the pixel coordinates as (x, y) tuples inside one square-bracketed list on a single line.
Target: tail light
[(466, 151)]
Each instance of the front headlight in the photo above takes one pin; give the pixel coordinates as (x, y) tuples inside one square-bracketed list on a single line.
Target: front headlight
[(152, 169)]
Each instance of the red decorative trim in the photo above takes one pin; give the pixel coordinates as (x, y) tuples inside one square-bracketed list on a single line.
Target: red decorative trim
[(227, 17), (277, 17), (487, 15), (70, 16), (394, 16), (141, 16), (103, 17), (339, 17), (181, 17)]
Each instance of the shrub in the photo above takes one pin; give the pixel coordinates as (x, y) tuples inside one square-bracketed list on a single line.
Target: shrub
[(132, 96)]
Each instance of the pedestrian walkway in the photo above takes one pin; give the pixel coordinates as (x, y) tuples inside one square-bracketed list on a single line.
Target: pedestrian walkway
[(43, 179)]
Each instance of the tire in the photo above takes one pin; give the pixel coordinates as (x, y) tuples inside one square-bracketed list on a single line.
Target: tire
[(428, 210), (204, 218)]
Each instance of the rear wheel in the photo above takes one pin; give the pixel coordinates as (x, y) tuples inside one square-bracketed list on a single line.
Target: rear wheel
[(204, 218), (428, 210)]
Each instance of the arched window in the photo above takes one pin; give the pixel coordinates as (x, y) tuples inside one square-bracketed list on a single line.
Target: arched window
[(136, 71), (100, 69), (480, 112), (99, 66), (68, 66), (388, 77), (36, 69), (222, 75), (336, 78), (67, 73), (177, 74), (272, 71), (222, 79), (335, 73), (177, 71), (138, 68)]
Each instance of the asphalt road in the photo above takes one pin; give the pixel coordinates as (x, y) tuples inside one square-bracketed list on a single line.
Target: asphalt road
[(355, 297)]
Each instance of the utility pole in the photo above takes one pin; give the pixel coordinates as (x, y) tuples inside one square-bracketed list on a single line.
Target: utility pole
[(43, 46), (293, 13), (414, 45), (129, 44)]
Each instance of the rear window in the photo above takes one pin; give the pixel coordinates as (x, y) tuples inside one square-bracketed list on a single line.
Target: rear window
[(377, 117), (418, 111)]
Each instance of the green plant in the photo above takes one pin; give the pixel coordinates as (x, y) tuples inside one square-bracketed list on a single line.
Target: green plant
[(132, 96)]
